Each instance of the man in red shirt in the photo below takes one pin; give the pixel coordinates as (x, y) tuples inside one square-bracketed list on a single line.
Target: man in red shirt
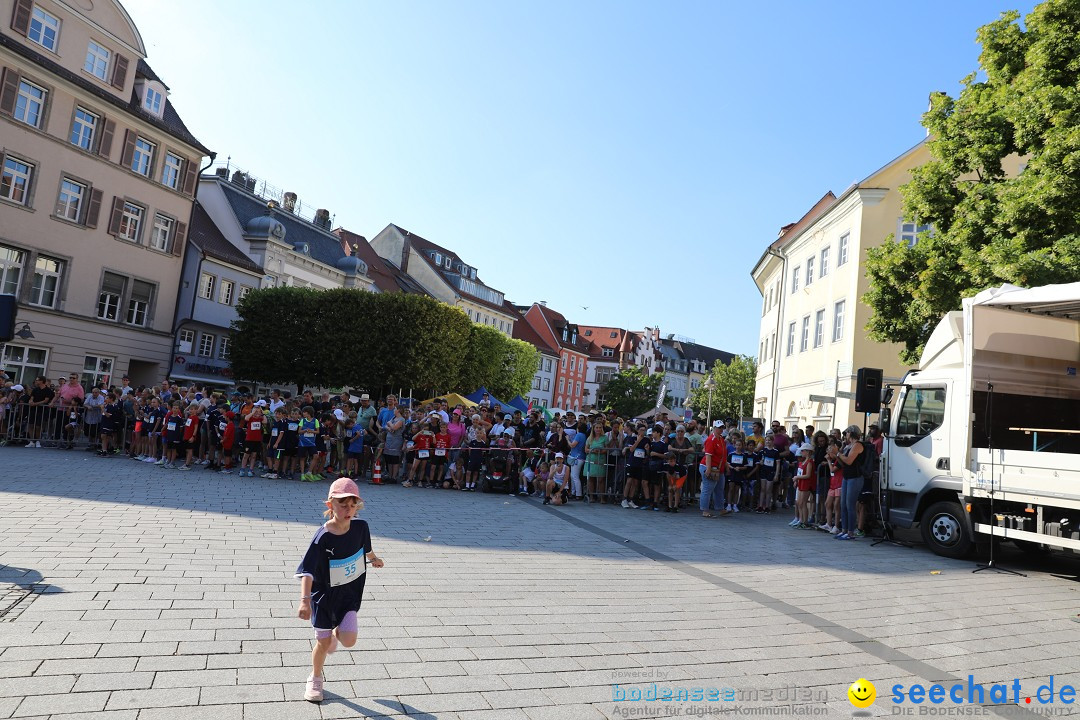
[(713, 468)]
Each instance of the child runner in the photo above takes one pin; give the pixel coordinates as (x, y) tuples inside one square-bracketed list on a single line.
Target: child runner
[(676, 477), (657, 452), (172, 435), (768, 477), (558, 486), (332, 576), (804, 487), (635, 465), (253, 435), (354, 437), (476, 459), (739, 464), (191, 434), (836, 481), (305, 451), (277, 455), (111, 415), (228, 440)]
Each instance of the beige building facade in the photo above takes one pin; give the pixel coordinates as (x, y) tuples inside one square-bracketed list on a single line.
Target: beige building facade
[(812, 279), (99, 174)]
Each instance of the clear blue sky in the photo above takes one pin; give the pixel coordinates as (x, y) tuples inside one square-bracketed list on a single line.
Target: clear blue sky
[(634, 158)]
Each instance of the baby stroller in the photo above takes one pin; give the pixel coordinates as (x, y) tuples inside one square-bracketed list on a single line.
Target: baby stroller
[(500, 474)]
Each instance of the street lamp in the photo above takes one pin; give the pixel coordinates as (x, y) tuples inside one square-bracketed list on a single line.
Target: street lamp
[(710, 384)]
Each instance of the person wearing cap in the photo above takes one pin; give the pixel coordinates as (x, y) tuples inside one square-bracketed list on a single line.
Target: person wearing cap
[(851, 466), (332, 575), (558, 483), (713, 469)]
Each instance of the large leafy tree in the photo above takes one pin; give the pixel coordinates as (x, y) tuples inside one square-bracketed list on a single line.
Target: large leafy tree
[(733, 389), (516, 375), (632, 392), (991, 227)]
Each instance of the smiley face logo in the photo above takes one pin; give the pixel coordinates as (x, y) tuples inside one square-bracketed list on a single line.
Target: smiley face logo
[(862, 693)]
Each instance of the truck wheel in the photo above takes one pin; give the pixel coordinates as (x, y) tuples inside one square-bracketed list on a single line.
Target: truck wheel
[(945, 530)]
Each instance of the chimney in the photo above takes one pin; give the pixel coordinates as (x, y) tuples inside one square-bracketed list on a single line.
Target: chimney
[(406, 246), (322, 218), (290, 202), (544, 303), (223, 172)]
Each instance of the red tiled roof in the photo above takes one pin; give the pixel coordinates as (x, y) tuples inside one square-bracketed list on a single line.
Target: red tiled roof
[(812, 214), (600, 337), (524, 331), (387, 277), (555, 321)]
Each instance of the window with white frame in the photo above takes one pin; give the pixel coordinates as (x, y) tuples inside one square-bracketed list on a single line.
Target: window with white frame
[(243, 293), (24, 364), (819, 328), (96, 371), (838, 320), (131, 222), (83, 128), (438, 258), (842, 249), (112, 291), (761, 352), (563, 364), (809, 270), (790, 339), (69, 204), (562, 385), (547, 364), (794, 279), (225, 292), (206, 345), (152, 100), (185, 340), (44, 29), (47, 274), (824, 269), (97, 60), (908, 232), (206, 286), (159, 236), (223, 349), (15, 181), (573, 364), (170, 173), (11, 265), (547, 384), (609, 352), (139, 302), (804, 341), (143, 156), (30, 103)]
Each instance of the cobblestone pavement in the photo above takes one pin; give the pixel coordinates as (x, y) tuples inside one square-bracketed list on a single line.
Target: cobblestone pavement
[(129, 592)]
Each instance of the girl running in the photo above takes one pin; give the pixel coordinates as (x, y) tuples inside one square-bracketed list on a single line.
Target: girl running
[(332, 576)]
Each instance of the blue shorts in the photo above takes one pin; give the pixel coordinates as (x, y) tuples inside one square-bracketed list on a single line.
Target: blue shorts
[(329, 608)]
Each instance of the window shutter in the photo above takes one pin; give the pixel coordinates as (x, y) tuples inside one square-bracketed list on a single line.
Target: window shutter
[(9, 90), (129, 148), (179, 234), (108, 129), (190, 176), (20, 16), (117, 213), (93, 208), (119, 74)]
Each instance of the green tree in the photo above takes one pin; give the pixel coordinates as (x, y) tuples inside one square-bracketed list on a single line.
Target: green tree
[(990, 227), (521, 360), (632, 392), (733, 384), (326, 338), (484, 360)]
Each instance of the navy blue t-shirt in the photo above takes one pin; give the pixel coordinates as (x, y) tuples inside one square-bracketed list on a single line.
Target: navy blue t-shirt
[(336, 562), (636, 456)]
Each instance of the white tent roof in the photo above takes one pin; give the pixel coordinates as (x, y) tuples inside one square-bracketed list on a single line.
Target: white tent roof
[(1057, 300)]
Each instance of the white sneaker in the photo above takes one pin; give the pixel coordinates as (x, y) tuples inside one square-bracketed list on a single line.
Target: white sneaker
[(823, 526), (734, 508), (834, 530), (793, 523), (633, 506), (313, 691), (626, 503), (150, 459)]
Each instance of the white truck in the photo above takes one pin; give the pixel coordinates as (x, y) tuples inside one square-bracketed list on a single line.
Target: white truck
[(984, 438)]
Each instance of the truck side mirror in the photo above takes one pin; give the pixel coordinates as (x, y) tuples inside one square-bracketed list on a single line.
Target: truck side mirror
[(886, 416)]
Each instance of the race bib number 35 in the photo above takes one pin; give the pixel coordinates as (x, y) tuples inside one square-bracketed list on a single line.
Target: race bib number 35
[(346, 570)]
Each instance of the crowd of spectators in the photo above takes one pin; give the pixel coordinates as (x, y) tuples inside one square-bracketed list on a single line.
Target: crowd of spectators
[(824, 478)]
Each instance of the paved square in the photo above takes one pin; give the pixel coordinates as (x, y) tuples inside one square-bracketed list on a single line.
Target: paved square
[(127, 591)]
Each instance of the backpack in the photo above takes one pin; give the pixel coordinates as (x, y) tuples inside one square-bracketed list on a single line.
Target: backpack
[(870, 461)]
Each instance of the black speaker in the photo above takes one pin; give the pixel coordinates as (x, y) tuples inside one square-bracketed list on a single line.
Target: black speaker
[(7, 317), (868, 390)]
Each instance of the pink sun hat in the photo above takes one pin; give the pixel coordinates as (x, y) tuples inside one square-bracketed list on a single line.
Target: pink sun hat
[(343, 487)]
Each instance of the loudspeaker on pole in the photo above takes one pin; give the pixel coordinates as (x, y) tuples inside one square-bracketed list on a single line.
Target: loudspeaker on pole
[(868, 390)]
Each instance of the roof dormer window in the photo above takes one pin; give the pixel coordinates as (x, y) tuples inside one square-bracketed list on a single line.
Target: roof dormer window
[(447, 263), (438, 258), (152, 101), (152, 94)]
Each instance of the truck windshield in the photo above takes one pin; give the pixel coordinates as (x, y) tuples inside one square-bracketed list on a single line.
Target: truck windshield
[(922, 413)]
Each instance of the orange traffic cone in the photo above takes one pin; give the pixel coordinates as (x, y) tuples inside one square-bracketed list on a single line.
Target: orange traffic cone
[(376, 474)]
